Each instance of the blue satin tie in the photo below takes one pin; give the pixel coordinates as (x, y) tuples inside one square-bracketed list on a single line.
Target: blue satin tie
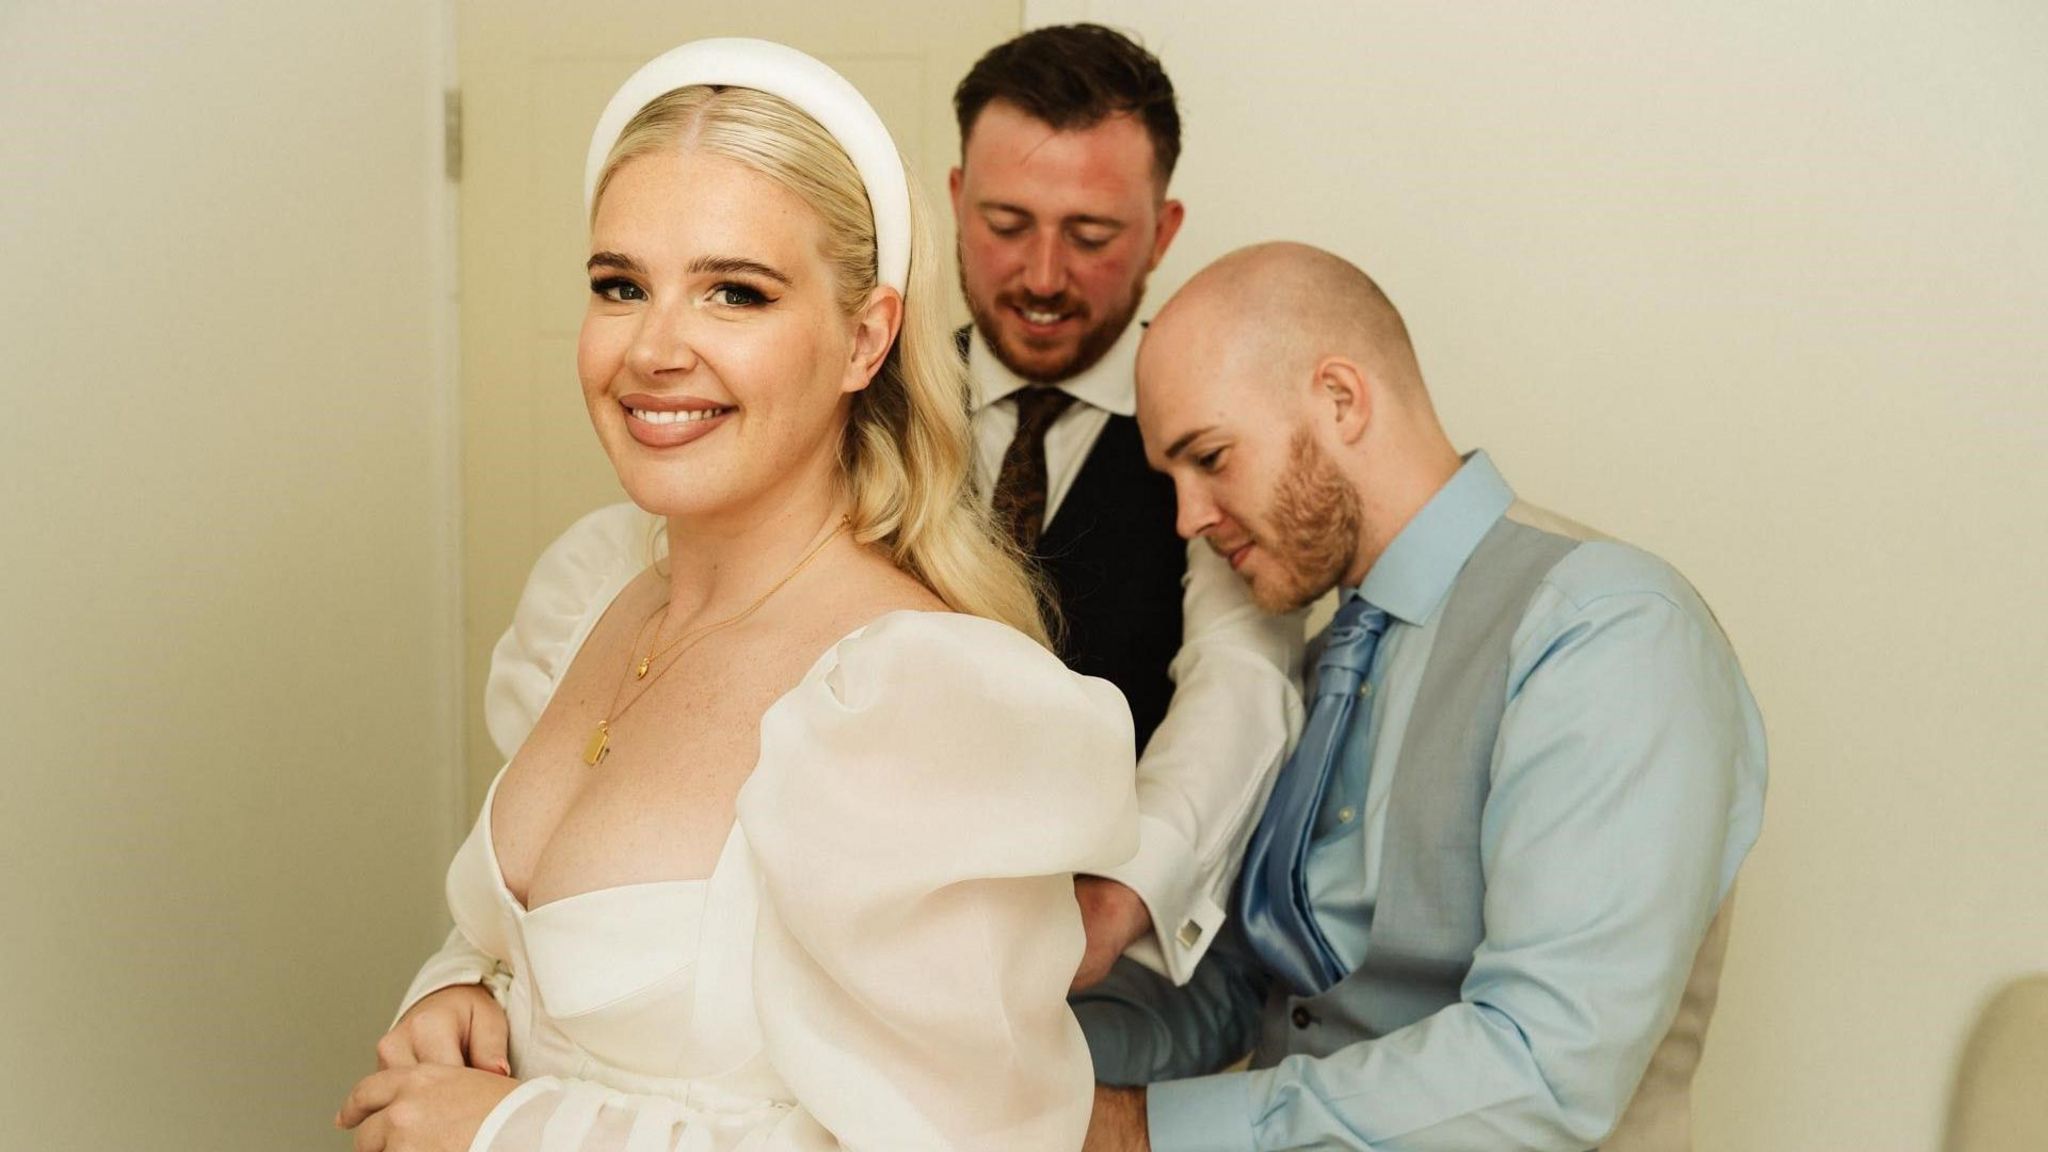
[(1273, 903)]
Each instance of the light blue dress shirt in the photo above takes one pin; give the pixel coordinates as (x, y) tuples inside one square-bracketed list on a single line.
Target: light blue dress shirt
[(1627, 787)]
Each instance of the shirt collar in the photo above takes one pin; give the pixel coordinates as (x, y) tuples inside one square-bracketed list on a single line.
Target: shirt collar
[(1108, 384), (1411, 578)]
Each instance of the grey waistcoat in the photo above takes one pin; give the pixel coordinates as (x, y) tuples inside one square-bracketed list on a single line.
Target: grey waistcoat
[(1428, 919)]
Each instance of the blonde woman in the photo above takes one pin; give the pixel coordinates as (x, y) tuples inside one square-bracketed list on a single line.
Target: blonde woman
[(782, 856)]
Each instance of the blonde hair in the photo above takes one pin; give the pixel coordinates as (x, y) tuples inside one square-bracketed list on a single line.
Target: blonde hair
[(906, 454)]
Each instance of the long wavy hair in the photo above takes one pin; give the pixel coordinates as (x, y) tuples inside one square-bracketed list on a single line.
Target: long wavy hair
[(906, 454)]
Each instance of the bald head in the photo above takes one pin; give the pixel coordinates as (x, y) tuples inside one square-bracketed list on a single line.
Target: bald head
[(1274, 310), (1279, 391)]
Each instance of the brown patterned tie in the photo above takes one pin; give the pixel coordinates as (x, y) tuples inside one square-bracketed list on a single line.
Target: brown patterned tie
[(1020, 485)]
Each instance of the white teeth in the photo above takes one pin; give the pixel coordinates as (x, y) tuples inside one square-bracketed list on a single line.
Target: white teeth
[(1041, 317), (653, 417)]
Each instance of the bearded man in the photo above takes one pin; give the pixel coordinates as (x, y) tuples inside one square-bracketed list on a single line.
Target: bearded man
[(1487, 902), (1069, 137)]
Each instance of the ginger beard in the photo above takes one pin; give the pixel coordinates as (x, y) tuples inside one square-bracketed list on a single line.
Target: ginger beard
[(1312, 527)]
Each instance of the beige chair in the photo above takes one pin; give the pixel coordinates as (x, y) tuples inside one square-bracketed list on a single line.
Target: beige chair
[(2001, 1090)]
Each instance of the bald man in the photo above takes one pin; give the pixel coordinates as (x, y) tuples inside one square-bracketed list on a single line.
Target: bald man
[(1487, 902)]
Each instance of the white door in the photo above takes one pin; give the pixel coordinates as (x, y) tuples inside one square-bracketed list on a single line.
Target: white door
[(534, 77)]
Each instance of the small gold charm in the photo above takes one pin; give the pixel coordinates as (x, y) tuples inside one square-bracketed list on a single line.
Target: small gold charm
[(640, 673), (600, 742)]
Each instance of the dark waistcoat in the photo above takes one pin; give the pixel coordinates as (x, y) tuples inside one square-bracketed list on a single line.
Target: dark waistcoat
[(1115, 565)]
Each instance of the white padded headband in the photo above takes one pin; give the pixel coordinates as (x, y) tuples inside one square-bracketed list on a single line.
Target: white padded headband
[(782, 71)]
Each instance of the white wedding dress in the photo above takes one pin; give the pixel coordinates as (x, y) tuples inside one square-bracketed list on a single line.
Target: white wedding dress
[(879, 960)]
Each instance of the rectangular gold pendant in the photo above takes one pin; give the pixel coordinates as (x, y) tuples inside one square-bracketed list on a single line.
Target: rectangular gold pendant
[(599, 744)]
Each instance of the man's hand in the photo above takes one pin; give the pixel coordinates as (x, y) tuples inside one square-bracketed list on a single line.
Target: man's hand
[(421, 1108), (1114, 917), (1118, 1123), (463, 1026)]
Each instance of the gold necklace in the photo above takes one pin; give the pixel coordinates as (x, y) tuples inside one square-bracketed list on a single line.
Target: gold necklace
[(599, 744)]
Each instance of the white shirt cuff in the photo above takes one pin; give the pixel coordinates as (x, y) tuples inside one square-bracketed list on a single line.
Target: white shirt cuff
[(1184, 919)]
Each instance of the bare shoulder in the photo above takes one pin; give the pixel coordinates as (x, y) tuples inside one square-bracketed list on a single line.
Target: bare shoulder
[(874, 586), (848, 590)]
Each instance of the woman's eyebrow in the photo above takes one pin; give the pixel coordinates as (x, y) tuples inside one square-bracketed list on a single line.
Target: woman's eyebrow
[(736, 266), (701, 266)]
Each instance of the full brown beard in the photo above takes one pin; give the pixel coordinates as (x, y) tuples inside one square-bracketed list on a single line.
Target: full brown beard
[(1095, 341), (1313, 528)]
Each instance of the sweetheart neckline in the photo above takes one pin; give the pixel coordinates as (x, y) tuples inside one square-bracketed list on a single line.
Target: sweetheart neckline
[(521, 911), (584, 628)]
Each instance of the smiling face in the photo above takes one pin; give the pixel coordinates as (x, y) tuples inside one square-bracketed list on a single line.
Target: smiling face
[(1058, 231), (715, 361), (1249, 473)]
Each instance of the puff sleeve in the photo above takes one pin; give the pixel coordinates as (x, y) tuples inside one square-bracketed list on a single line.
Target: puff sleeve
[(568, 589), (916, 821)]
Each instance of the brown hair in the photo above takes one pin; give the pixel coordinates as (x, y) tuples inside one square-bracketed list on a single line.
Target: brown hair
[(1074, 76)]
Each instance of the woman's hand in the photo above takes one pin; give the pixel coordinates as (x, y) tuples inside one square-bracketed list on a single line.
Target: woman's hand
[(421, 1108), (460, 1027)]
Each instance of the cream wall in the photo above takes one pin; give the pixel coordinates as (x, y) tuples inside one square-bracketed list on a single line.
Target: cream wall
[(1759, 285), (227, 555)]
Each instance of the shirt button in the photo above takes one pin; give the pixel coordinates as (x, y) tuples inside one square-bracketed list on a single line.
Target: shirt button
[(1344, 815), (1302, 1019), (1365, 689)]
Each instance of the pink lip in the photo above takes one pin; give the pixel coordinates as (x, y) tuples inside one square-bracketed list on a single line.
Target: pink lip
[(671, 435), (1237, 557)]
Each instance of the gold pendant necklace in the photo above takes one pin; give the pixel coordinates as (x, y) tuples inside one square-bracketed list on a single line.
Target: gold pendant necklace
[(599, 744)]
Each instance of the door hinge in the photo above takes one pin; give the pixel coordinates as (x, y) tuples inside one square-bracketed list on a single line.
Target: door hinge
[(451, 132)]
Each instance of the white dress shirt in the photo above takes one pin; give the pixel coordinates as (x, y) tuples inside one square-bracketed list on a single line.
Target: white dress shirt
[(1236, 709)]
